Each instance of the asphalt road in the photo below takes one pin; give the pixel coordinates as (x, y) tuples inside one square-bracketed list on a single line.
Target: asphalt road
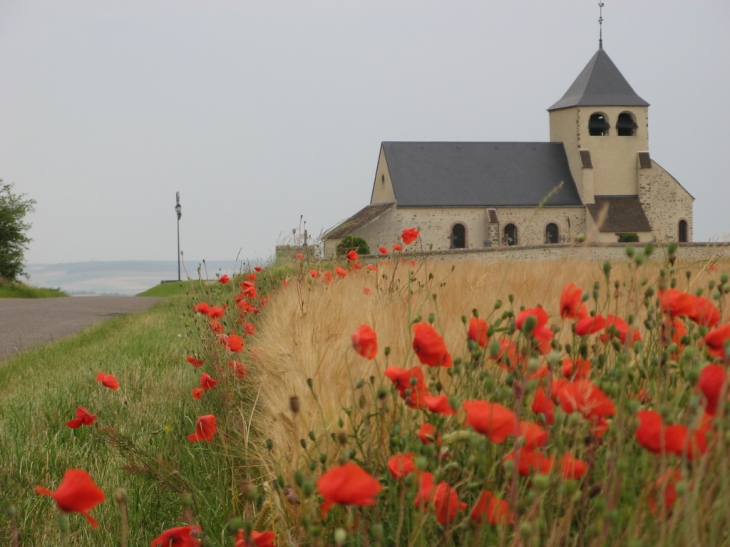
[(27, 322)]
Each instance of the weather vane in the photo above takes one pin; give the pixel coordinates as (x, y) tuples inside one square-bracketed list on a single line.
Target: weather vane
[(600, 25)]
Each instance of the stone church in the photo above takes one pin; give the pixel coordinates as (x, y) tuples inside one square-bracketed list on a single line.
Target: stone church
[(595, 178)]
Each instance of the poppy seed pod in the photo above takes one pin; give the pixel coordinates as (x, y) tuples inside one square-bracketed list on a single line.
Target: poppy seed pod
[(294, 404)]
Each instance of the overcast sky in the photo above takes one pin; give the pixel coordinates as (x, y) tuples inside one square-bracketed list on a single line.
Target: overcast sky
[(259, 112)]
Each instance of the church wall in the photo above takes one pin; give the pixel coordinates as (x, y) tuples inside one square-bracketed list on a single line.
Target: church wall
[(383, 185), (665, 203), (565, 128), (531, 223)]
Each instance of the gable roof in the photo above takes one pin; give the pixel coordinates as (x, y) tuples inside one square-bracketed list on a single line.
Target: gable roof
[(600, 84), (358, 220), (624, 214), (479, 174)]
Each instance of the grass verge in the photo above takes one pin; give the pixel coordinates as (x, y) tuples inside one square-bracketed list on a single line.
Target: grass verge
[(21, 290)]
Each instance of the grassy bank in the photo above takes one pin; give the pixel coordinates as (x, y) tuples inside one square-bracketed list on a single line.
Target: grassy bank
[(21, 290)]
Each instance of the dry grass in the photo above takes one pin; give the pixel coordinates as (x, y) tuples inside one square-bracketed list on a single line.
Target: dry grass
[(306, 330)]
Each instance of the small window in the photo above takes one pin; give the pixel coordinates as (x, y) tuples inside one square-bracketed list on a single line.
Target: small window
[(683, 231), (382, 179), (551, 233), (510, 235), (458, 237), (598, 125), (626, 125)]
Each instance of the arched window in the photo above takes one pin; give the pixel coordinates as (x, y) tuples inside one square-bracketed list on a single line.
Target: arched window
[(510, 234), (458, 237), (551, 233), (683, 231), (626, 125), (598, 125)]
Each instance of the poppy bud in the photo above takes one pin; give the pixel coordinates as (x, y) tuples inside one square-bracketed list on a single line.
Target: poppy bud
[(186, 500), (421, 463), (362, 401), (303, 442), (234, 525), (541, 482), (63, 524), (298, 478), (206, 541), (630, 251), (340, 536), (342, 438), (294, 404), (310, 382), (640, 258), (308, 489), (386, 351), (269, 444), (376, 531), (120, 495), (526, 529), (11, 511)]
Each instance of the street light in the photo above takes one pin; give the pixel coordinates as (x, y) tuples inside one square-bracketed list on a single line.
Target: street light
[(178, 210)]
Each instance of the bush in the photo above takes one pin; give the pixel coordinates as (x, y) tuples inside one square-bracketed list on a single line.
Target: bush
[(628, 238), (353, 243), (13, 238)]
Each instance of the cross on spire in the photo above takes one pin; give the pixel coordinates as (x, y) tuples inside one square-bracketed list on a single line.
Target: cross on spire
[(600, 25)]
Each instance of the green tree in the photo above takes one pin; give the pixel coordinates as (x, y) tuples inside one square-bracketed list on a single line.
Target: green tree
[(353, 243), (13, 228)]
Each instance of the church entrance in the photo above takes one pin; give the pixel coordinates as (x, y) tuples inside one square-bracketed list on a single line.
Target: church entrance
[(458, 236), (551, 233), (510, 234)]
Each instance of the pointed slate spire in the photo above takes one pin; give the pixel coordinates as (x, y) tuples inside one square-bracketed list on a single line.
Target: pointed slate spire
[(600, 84)]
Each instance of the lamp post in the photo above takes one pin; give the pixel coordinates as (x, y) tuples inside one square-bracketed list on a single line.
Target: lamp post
[(178, 210)]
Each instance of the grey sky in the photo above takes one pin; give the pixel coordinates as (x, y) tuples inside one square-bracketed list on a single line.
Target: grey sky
[(259, 112)]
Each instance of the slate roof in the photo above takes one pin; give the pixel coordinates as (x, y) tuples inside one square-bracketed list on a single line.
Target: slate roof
[(625, 214), (600, 84), (358, 220), (479, 174)]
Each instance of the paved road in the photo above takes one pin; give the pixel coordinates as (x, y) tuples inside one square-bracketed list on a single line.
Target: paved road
[(26, 322)]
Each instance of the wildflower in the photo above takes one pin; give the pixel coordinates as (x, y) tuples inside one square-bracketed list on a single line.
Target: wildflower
[(706, 314), (529, 461), (543, 405), (580, 370), (206, 382), (258, 539), (716, 340), (193, 361), (534, 435), (478, 331), (713, 267), (315, 274), (430, 347), (428, 435), (83, 417), (589, 325), (397, 247), (490, 419), (665, 483), (352, 256), (216, 326), (571, 302), (439, 405), (234, 343), (249, 329), (655, 437), (365, 342), (182, 536), (251, 276), (77, 493), (237, 368), (248, 289), (409, 235), (442, 499), (205, 428), (414, 394), (347, 484), (357, 266), (572, 468), (541, 333), (198, 393), (327, 276), (366, 290), (588, 399), (711, 381), (258, 268), (676, 303), (107, 380), (382, 250), (492, 509), (372, 267), (340, 271), (615, 326), (299, 256), (202, 307), (215, 312), (224, 279), (401, 465)]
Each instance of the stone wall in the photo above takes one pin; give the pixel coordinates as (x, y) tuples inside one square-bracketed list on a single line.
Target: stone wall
[(531, 222), (665, 202)]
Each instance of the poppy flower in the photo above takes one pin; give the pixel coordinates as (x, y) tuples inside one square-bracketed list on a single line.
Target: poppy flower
[(430, 347), (352, 256), (492, 509), (589, 325), (543, 405), (414, 394), (237, 368), (372, 267), (340, 271), (439, 405), (706, 314), (442, 499), (224, 279), (541, 333), (206, 382), (107, 380), (401, 465), (234, 343), (258, 539), (193, 361), (258, 268), (397, 247), (299, 256), (198, 393), (711, 381), (676, 303), (653, 435), (216, 312), (315, 274), (666, 483), (248, 289), (249, 329), (182, 536), (251, 276), (327, 276), (585, 397), (427, 434), (216, 326), (77, 493), (347, 484), (366, 290), (571, 302), (83, 417), (202, 307), (478, 331), (205, 428), (365, 342), (409, 235), (716, 339), (529, 461), (382, 250), (244, 305), (508, 356), (572, 468), (357, 266), (615, 326), (713, 267), (534, 435), (490, 419), (580, 370)]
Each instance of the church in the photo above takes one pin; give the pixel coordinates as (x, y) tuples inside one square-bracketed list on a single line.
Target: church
[(594, 179)]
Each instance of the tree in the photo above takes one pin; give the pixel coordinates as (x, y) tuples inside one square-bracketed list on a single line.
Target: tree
[(13, 238), (353, 243)]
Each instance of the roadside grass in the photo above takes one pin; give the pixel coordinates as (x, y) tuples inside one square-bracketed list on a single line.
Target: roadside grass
[(21, 290), (167, 289)]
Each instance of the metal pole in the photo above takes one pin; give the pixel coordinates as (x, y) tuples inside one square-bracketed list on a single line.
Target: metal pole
[(178, 211)]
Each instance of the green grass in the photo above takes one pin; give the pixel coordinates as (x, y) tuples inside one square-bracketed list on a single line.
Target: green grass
[(20, 290), (167, 289)]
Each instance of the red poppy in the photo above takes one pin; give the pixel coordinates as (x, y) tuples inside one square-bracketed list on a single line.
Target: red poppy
[(409, 235), (327, 276), (372, 267), (258, 539), (107, 380), (478, 331), (248, 289), (580, 370), (706, 313), (615, 326), (492, 509), (428, 435), (713, 267), (571, 302), (439, 405), (234, 343), (589, 325), (193, 361), (508, 357), (237, 368), (77, 493), (216, 326), (206, 382), (249, 329), (215, 312), (198, 392), (357, 266), (541, 333), (490, 419), (442, 499), (205, 428), (182, 536), (382, 250), (677, 303), (340, 271), (529, 461), (299, 256), (251, 276), (397, 247), (258, 268), (572, 467), (588, 399), (366, 290), (202, 307), (430, 347), (244, 305), (347, 484), (352, 256), (716, 340), (665, 483), (711, 381), (654, 436), (414, 395), (534, 435), (365, 342), (543, 405), (224, 279), (83, 417), (315, 274), (401, 465)]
